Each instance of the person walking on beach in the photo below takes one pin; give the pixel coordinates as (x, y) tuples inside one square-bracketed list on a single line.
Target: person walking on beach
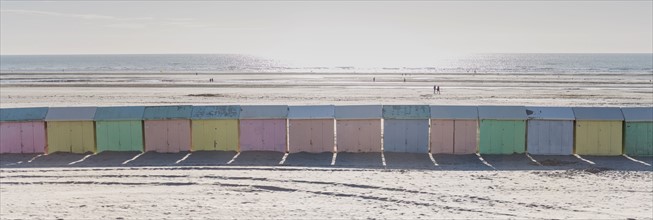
[(373, 79), (438, 90), (435, 87)]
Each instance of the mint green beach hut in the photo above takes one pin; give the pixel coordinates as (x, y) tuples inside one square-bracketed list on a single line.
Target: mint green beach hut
[(502, 130), (119, 128), (638, 131)]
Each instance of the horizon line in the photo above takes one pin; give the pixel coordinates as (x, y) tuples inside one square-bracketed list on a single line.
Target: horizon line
[(250, 54)]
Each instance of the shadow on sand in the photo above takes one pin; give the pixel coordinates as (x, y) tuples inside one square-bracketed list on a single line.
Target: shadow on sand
[(208, 158), (324, 160), (408, 161), (309, 159), (258, 158), (459, 162), (359, 160)]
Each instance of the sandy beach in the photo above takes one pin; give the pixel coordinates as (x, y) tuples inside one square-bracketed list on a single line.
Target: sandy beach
[(207, 185), (298, 186), (22, 90)]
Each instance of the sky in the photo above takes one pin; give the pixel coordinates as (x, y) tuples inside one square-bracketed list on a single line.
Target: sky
[(383, 30)]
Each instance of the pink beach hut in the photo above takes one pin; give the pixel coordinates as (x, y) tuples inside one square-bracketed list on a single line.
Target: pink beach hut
[(167, 128), (263, 128), (311, 129), (22, 130), (358, 128), (454, 129)]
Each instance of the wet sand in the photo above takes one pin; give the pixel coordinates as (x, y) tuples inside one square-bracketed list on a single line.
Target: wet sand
[(20, 90)]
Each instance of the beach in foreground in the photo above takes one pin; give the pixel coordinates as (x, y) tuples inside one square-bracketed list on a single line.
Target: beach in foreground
[(209, 185)]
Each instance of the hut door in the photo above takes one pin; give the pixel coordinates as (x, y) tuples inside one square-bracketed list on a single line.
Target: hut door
[(394, 136), (178, 136), (26, 137), (274, 135), (465, 136), (10, 139), (417, 132), (172, 142), (442, 133), (76, 139), (218, 136), (323, 136)]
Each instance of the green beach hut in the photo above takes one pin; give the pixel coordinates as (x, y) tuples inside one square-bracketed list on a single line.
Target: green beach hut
[(119, 128), (638, 131), (502, 130)]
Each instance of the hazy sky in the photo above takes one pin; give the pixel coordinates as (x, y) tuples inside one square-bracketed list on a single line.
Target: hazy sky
[(319, 29)]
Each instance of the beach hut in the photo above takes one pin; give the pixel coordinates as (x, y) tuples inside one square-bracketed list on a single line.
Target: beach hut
[(22, 130), (358, 128), (599, 130), (454, 129), (406, 128), (550, 130), (263, 128), (119, 128), (215, 128), (638, 131), (71, 129), (502, 129), (311, 129), (167, 128)]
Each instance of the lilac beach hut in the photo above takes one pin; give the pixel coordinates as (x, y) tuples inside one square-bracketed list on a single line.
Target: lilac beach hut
[(263, 128)]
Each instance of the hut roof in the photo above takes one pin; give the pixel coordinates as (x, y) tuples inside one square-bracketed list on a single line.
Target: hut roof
[(638, 114), (502, 112), (263, 111), (71, 114), (359, 112), (311, 112), (598, 113), (454, 112), (406, 112), (167, 112), (23, 114), (550, 113), (216, 112), (117, 113)]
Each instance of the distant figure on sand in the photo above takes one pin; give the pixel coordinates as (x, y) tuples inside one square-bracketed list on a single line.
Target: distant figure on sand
[(404, 79), (435, 88), (373, 79), (438, 90)]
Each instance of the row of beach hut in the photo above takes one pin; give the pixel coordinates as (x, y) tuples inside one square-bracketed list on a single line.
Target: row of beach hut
[(327, 128)]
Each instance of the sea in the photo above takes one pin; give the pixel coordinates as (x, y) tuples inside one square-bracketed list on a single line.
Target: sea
[(623, 63)]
